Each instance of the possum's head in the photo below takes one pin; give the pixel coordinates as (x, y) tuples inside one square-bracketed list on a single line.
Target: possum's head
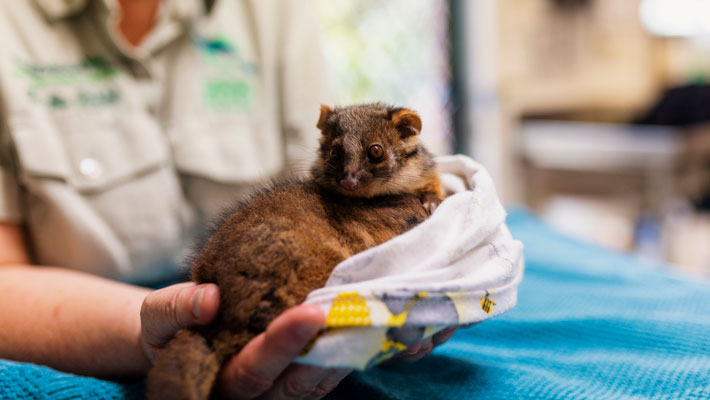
[(370, 150)]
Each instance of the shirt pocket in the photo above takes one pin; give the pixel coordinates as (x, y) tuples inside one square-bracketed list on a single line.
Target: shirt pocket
[(89, 151), (102, 195), (221, 116), (231, 149)]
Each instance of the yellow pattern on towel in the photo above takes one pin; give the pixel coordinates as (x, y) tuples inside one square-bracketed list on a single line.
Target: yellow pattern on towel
[(348, 309), (399, 319)]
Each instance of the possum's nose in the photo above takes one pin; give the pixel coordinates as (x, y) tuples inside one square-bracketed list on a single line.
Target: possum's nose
[(350, 182)]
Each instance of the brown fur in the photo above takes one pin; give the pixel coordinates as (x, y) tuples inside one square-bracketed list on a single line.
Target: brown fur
[(274, 250)]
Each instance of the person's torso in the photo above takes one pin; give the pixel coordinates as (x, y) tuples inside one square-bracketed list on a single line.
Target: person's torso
[(118, 150)]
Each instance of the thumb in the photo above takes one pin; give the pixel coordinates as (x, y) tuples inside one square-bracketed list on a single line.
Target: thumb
[(166, 311)]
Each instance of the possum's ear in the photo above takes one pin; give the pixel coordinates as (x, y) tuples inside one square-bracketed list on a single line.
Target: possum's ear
[(407, 123), (325, 111)]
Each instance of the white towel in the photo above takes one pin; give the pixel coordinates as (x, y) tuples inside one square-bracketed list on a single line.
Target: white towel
[(459, 267)]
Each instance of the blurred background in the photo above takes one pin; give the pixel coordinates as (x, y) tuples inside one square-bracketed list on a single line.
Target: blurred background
[(593, 113)]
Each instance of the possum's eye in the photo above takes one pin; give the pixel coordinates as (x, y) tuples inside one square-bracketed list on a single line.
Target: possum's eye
[(375, 153), (333, 152)]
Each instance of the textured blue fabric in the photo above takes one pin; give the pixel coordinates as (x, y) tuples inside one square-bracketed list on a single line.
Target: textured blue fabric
[(590, 324), (29, 381)]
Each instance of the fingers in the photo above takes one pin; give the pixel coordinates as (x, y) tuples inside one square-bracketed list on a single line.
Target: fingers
[(166, 311), (305, 381), (416, 351), (411, 350), (330, 382), (419, 350), (254, 370), (443, 336)]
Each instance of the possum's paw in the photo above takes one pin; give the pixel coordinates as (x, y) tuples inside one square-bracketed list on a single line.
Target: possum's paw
[(430, 201)]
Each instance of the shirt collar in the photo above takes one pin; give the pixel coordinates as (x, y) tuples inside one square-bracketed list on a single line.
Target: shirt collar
[(174, 16), (60, 9), (179, 9), (173, 19)]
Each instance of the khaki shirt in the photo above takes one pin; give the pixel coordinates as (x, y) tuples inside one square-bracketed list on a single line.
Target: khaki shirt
[(109, 154)]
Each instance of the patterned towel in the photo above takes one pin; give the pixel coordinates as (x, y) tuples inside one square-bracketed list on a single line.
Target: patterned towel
[(460, 266)]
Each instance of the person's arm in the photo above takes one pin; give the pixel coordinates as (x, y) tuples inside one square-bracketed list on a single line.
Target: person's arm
[(68, 320)]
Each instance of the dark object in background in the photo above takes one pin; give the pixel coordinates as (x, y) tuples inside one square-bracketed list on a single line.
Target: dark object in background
[(685, 107), (680, 106), (571, 4)]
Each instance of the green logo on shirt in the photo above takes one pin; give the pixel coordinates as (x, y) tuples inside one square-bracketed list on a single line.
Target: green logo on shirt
[(92, 69), (88, 83), (229, 79), (227, 94), (57, 102)]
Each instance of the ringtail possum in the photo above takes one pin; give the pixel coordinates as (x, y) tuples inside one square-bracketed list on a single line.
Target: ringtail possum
[(372, 180)]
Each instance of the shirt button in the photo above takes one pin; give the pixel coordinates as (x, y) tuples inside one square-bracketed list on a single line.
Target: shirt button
[(90, 168)]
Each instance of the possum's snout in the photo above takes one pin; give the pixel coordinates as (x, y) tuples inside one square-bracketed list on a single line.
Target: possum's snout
[(350, 183)]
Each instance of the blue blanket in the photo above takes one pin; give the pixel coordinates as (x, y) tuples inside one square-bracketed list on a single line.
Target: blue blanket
[(590, 324)]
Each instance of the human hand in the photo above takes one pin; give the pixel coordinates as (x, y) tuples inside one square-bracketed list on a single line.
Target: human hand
[(165, 311), (264, 367), (419, 350)]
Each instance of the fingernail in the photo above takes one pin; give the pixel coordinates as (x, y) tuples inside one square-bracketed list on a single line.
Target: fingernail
[(306, 331), (427, 347), (312, 321), (413, 349), (197, 302)]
